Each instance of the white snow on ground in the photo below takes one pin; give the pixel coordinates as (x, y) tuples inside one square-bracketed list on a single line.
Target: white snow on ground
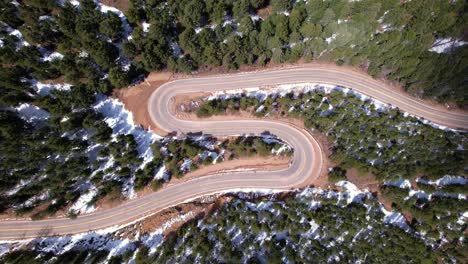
[(31, 113), (446, 180), (41, 18), (126, 27), (260, 109), (296, 88), (463, 219), (272, 139), (98, 240), (44, 89), (205, 154), (81, 205), (255, 17), (419, 195), (145, 26), (281, 149), (18, 187), (73, 2), (121, 121), (186, 165), (154, 239), (400, 183), (161, 174), (351, 192), (5, 248), (205, 141), (37, 198), (395, 218), (17, 33), (176, 50), (330, 39), (102, 239), (52, 56), (446, 45)]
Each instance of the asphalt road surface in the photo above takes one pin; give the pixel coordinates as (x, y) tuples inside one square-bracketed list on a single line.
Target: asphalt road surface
[(306, 164)]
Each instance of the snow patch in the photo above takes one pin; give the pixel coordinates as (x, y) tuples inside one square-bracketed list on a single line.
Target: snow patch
[(186, 165), (400, 183), (44, 89), (82, 204), (126, 27), (121, 122), (155, 239), (145, 25), (351, 192), (32, 113), (448, 179), (446, 45), (395, 218), (52, 56)]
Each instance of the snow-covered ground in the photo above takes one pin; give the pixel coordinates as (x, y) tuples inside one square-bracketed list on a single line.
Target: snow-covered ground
[(121, 121), (44, 89), (81, 206), (51, 56), (126, 27), (446, 45), (32, 113), (449, 179), (400, 183)]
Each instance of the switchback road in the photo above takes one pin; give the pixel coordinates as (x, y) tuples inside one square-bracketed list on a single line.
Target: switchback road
[(306, 164)]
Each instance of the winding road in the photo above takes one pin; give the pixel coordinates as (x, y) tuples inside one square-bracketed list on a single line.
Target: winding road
[(306, 164)]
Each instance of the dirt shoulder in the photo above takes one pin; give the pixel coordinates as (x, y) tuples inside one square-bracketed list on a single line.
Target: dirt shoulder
[(135, 99), (270, 163), (122, 5), (258, 163)]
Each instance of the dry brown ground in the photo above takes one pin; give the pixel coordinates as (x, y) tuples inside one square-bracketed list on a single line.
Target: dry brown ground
[(135, 99), (270, 163), (363, 181), (10, 214), (122, 5), (197, 209), (265, 12), (367, 181)]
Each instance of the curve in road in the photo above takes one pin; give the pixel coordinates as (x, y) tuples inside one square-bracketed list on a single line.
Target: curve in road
[(306, 164)]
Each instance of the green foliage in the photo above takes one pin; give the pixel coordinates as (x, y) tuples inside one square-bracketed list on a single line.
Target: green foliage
[(379, 243), (118, 78), (53, 158), (399, 53), (111, 26), (281, 5), (337, 174)]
